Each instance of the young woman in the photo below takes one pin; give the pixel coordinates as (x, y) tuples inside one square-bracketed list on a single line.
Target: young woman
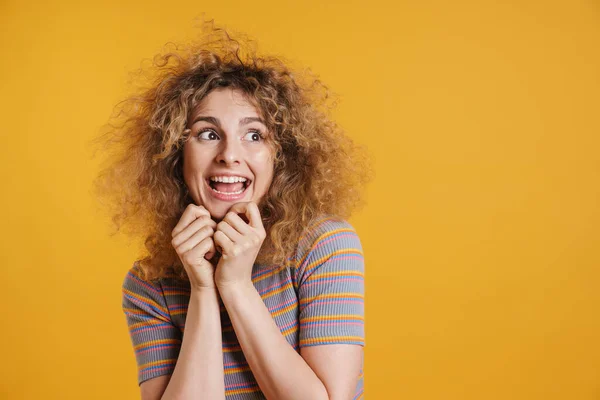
[(252, 287)]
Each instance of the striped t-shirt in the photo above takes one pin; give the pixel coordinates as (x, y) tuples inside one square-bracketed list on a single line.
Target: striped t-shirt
[(318, 299)]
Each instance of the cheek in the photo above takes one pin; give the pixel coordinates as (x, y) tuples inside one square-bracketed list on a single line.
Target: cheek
[(264, 164)]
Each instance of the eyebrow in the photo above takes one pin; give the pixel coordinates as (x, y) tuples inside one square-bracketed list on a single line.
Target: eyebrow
[(215, 121)]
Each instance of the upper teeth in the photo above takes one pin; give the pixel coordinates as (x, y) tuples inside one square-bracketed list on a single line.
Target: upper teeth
[(227, 179)]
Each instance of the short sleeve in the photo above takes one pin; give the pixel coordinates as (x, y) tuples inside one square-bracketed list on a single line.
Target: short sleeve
[(330, 279), (156, 340)]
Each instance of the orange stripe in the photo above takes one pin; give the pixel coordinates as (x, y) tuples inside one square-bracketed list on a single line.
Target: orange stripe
[(159, 362), (284, 310), (330, 338), (146, 300), (332, 318), (320, 239), (281, 289), (310, 266), (331, 296), (145, 323), (153, 342)]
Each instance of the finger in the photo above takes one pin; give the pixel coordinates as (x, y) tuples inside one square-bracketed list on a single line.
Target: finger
[(198, 252), (222, 242), (206, 247), (196, 238), (237, 223), (243, 208), (192, 228), (228, 230), (212, 250), (254, 216), (190, 213)]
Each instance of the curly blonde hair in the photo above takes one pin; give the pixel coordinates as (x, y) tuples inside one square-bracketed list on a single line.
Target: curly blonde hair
[(318, 170)]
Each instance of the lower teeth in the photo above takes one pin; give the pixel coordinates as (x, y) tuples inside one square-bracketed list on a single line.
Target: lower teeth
[(238, 192)]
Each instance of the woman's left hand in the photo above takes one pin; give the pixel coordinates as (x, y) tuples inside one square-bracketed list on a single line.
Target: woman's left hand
[(240, 243)]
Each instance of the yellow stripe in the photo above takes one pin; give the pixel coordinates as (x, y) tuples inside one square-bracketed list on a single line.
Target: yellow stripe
[(236, 370), (240, 391), (159, 362), (153, 342), (267, 275), (335, 253), (319, 275), (333, 317), (331, 296), (281, 289), (320, 239), (330, 338), (177, 292), (284, 310), (146, 301), (145, 323)]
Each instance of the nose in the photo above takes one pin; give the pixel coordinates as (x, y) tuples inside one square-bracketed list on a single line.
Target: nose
[(229, 152)]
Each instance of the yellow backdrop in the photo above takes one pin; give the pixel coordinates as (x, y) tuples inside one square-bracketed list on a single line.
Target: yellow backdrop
[(481, 232)]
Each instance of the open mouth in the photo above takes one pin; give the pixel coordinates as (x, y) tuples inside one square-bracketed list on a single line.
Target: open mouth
[(227, 188)]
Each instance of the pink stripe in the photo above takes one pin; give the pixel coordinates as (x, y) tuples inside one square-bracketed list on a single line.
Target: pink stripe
[(336, 258), (334, 302), (328, 282), (247, 385), (309, 324), (236, 364), (293, 323), (282, 305), (143, 283), (334, 237), (156, 369), (280, 284), (167, 345), (152, 328)]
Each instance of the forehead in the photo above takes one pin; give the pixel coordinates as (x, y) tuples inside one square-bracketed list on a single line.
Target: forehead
[(226, 100)]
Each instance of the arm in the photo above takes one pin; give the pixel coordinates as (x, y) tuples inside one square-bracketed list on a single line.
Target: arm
[(198, 373), (280, 371), (162, 359), (330, 291)]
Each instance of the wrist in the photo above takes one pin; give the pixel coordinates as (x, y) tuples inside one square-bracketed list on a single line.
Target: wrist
[(235, 288), (204, 290)]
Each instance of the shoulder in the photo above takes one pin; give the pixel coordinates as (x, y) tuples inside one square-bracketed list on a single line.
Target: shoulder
[(327, 239), (134, 282), (142, 295), (329, 233)]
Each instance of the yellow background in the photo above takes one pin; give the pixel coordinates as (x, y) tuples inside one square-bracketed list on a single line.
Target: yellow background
[(481, 229)]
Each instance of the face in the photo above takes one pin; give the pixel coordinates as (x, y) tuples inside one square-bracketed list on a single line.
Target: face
[(226, 159)]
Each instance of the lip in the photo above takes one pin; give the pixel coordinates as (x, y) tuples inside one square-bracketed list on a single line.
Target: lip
[(226, 197)]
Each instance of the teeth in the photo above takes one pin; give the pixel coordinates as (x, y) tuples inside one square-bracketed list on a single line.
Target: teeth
[(228, 179), (238, 192)]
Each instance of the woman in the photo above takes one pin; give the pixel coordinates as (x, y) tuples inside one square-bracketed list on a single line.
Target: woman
[(253, 282)]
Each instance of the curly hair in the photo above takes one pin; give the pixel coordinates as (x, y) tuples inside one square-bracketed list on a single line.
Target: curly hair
[(318, 170)]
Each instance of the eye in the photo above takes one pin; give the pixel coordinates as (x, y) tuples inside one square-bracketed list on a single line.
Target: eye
[(253, 136), (207, 134)]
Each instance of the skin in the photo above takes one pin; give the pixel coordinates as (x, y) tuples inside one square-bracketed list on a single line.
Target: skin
[(226, 144), (226, 135), (327, 372)]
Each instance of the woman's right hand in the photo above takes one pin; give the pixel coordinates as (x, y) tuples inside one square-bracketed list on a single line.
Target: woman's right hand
[(193, 242)]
